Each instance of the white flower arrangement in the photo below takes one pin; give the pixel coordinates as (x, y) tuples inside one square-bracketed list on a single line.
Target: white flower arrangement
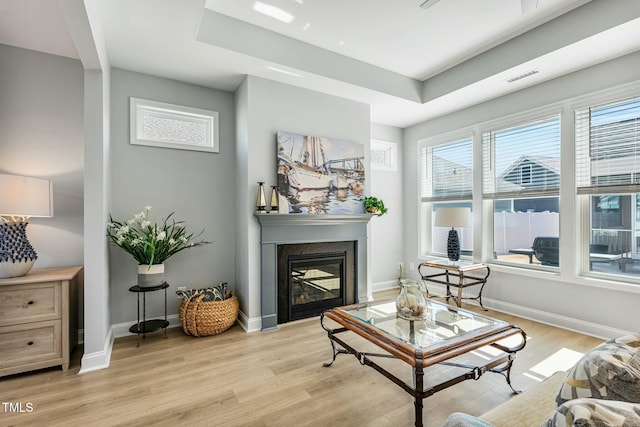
[(151, 243)]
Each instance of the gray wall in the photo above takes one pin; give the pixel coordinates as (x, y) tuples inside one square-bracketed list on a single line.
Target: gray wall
[(197, 186), (386, 250), (267, 107), (596, 306), (41, 135)]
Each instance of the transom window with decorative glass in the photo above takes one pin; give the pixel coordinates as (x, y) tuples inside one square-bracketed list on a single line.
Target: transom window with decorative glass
[(447, 182), (608, 174), (159, 124), (384, 155), (521, 177)]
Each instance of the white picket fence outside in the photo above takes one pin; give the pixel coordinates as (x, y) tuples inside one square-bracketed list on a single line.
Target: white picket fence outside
[(518, 229), (513, 230)]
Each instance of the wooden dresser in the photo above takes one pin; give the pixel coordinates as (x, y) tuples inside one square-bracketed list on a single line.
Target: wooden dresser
[(39, 319)]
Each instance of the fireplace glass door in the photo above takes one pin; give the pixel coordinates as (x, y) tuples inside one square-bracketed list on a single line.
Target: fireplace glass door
[(316, 283)]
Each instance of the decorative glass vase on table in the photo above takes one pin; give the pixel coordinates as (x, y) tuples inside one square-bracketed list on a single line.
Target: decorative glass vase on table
[(151, 244), (411, 303)]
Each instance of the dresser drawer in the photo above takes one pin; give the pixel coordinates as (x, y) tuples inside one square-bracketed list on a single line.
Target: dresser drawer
[(39, 319), (30, 343), (30, 303)]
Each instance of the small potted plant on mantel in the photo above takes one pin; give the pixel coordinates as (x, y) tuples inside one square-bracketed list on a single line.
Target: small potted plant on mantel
[(374, 206)]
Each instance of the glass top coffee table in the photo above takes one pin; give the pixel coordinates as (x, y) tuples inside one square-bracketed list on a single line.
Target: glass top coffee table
[(441, 346)]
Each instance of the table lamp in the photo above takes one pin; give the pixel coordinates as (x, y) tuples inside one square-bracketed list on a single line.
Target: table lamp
[(21, 197), (453, 217)]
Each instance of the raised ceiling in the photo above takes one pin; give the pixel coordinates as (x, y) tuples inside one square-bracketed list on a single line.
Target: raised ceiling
[(409, 63)]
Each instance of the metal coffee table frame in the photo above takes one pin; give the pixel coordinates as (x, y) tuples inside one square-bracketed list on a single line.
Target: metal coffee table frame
[(421, 358)]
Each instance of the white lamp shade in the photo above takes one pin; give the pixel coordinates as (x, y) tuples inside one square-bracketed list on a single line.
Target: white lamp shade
[(25, 196), (453, 217)]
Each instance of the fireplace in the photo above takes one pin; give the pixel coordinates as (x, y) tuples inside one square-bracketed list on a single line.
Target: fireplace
[(314, 277), (318, 233)]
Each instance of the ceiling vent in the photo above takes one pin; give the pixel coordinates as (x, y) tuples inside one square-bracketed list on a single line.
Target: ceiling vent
[(522, 76), (427, 4)]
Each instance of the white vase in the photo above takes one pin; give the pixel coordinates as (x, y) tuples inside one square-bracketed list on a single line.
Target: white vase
[(15, 269), (150, 275)]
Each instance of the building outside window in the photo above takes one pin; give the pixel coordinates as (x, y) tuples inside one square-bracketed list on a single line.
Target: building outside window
[(608, 174), (521, 179), (446, 181)]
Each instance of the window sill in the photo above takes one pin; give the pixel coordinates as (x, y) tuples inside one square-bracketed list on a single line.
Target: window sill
[(585, 279)]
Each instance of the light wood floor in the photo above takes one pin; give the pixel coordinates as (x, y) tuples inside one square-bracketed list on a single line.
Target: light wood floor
[(270, 378)]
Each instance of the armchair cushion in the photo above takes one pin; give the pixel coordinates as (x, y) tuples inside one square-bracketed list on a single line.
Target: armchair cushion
[(589, 412), (458, 419), (611, 371)]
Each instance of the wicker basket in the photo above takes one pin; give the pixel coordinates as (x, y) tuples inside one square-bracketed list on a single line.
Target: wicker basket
[(202, 319)]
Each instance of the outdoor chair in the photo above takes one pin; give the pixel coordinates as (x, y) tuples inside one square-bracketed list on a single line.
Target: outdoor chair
[(546, 250)]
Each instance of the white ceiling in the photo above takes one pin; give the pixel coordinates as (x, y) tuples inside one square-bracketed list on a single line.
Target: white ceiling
[(409, 63), (36, 25), (398, 35)]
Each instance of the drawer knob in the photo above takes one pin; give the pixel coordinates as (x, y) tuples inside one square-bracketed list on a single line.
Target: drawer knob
[(28, 303), (30, 343)]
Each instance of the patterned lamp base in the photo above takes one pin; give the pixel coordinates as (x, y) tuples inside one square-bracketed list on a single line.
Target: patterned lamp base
[(16, 253), (453, 245)]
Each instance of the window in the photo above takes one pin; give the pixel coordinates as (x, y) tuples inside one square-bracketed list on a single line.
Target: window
[(608, 173), (159, 124), (521, 178), (384, 155), (446, 181), (525, 174)]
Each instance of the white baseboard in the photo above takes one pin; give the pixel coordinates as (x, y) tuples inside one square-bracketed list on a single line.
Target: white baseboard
[(557, 320), (383, 286), (100, 359), (122, 329), (552, 319), (249, 324)]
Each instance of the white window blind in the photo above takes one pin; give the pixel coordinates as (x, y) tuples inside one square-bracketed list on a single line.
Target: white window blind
[(522, 161), (608, 148), (447, 171)]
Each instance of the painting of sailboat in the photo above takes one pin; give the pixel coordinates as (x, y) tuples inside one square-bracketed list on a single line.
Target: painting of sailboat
[(319, 175)]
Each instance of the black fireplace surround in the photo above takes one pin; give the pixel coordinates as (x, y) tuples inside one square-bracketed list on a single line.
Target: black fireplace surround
[(313, 277)]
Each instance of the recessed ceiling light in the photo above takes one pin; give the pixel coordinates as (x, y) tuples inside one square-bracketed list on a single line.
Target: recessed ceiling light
[(273, 12), (306, 26), (341, 43), (299, 1), (280, 70)]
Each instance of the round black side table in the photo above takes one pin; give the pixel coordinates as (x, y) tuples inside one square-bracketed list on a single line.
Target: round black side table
[(144, 326)]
